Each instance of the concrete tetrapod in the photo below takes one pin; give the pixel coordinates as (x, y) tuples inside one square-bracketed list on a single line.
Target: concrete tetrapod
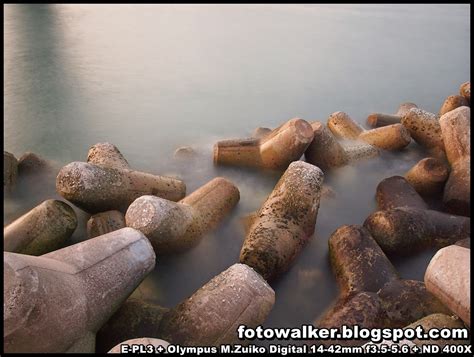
[(172, 226), (41, 230), (96, 188), (134, 318), (107, 155), (326, 152), (428, 176), (391, 137), (275, 150), (105, 222), (395, 192), (465, 91), (285, 222), (451, 103), (63, 298), (10, 170), (424, 128), (376, 120), (456, 130), (210, 317), (371, 293), (150, 345), (30, 163), (448, 278), (405, 230)]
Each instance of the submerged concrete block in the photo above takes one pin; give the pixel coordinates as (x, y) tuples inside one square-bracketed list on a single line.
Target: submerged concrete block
[(277, 150), (428, 176), (456, 131), (424, 128), (10, 170), (107, 155), (210, 317), (30, 163), (63, 298), (105, 222), (395, 192), (448, 277), (178, 226), (358, 262), (97, 188), (41, 230), (285, 222), (405, 230)]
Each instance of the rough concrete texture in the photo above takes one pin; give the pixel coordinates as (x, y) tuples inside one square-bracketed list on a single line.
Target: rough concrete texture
[(343, 126), (41, 230), (184, 153), (30, 163), (456, 131), (396, 191), (10, 170), (405, 230), (150, 343), (210, 317), (465, 91), (390, 137), (378, 120), (285, 222), (173, 227), (404, 108), (261, 132), (134, 318), (428, 176), (439, 321), (107, 155), (105, 222), (325, 151), (356, 151), (358, 262), (97, 188), (424, 128), (275, 151), (451, 103), (63, 298), (405, 301), (448, 278)]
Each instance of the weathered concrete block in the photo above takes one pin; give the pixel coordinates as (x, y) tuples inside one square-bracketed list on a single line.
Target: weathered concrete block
[(395, 192), (456, 131), (107, 155), (358, 150), (97, 188), (41, 230), (63, 298), (404, 230), (343, 126), (30, 163), (210, 317), (184, 153), (275, 151), (465, 91), (358, 262), (405, 108), (10, 170), (325, 151), (424, 128), (451, 103), (285, 222), (376, 120), (390, 137), (448, 278), (133, 319), (173, 227), (144, 341), (105, 222), (428, 176)]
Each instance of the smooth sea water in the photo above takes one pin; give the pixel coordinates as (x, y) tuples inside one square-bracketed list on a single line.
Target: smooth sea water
[(152, 78)]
